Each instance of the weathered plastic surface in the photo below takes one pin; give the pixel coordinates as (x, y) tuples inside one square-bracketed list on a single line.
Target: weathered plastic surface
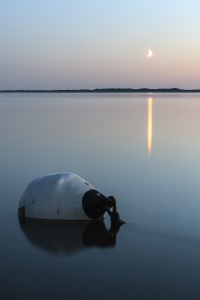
[(55, 196)]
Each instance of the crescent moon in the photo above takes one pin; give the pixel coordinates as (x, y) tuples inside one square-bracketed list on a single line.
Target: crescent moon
[(150, 53)]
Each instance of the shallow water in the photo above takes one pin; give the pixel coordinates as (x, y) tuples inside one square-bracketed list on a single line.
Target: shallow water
[(144, 150)]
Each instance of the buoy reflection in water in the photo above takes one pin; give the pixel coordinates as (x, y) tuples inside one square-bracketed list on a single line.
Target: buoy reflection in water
[(68, 237)]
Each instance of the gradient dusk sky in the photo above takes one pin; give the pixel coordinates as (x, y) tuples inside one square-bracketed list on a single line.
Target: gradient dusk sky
[(63, 44)]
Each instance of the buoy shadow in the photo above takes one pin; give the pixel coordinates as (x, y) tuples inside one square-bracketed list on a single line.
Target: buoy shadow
[(68, 237)]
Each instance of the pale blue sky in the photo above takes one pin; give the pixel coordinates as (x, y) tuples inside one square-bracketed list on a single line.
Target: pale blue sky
[(89, 44)]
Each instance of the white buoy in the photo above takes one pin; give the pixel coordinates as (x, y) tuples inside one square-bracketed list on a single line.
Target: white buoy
[(63, 196)]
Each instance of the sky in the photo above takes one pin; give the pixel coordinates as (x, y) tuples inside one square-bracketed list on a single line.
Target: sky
[(77, 44)]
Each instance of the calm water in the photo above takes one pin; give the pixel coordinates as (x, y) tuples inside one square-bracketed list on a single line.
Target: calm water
[(144, 150)]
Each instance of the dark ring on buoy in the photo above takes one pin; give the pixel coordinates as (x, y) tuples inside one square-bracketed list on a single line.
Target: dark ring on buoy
[(94, 204)]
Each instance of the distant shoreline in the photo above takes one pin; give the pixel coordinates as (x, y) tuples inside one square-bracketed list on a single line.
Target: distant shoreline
[(109, 90)]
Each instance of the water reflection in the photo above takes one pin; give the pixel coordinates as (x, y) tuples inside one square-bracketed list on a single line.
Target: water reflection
[(68, 237), (149, 129)]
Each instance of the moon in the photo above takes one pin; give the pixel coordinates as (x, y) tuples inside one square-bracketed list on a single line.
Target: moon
[(150, 53)]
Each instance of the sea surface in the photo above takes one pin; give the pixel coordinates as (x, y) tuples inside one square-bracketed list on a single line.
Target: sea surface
[(144, 149)]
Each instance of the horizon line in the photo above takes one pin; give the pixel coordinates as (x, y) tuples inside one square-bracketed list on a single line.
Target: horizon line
[(105, 90)]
